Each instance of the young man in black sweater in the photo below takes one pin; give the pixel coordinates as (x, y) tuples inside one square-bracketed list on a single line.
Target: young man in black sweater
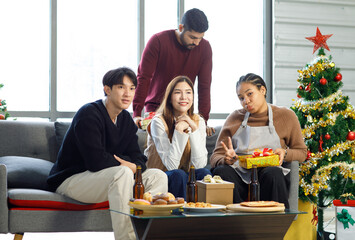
[(100, 152)]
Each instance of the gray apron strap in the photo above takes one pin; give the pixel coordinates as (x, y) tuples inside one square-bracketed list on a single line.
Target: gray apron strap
[(271, 119)]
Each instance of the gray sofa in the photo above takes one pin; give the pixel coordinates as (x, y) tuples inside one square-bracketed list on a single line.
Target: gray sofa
[(27, 152)]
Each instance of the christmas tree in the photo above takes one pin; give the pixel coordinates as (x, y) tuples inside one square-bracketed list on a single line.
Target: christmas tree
[(327, 120), (3, 108)]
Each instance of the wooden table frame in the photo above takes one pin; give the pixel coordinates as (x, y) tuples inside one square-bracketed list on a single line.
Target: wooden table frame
[(234, 226)]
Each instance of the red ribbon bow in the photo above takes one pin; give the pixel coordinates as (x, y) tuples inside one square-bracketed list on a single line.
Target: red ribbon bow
[(151, 115), (263, 153), (315, 217)]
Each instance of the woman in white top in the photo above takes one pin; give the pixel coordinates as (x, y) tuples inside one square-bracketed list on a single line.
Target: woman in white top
[(177, 137)]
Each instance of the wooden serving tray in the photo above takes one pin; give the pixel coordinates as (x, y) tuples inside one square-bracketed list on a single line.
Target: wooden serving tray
[(156, 210), (238, 208)]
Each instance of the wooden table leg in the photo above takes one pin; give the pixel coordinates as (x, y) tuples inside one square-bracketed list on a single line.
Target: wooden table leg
[(18, 236)]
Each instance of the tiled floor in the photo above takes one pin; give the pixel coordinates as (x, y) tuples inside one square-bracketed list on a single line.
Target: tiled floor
[(329, 225)]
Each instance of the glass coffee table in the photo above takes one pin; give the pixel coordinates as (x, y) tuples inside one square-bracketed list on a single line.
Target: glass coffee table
[(215, 225)]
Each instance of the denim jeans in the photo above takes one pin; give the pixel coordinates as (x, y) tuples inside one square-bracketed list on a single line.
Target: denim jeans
[(177, 180)]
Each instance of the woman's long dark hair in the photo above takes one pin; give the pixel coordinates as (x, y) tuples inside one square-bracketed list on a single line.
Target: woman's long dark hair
[(166, 107)]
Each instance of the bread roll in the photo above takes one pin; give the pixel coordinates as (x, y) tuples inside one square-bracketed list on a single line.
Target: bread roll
[(160, 202), (148, 196), (141, 202), (171, 196)]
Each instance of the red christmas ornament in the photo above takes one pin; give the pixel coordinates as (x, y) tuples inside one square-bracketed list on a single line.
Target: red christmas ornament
[(323, 81), (338, 77), (327, 136), (2, 116), (308, 87), (351, 136), (309, 154), (319, 40), (300, 88)]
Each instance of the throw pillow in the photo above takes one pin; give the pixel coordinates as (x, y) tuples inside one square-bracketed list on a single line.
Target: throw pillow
[(61, 129), (26, 172)]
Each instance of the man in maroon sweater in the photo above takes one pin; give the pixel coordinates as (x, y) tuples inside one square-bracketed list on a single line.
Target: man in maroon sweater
[(172, 53)]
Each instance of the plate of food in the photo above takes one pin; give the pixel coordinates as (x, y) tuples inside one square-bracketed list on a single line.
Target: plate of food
[(202, 207), (257, 206), (159, 204), (155, 209)]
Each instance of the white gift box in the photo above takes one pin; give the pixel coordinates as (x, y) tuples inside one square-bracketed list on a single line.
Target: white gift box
[(341, 232)]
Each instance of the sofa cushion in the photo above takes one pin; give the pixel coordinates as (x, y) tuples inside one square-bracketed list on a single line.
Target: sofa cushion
[(26, 172), (61, 129), (211, 143), (33, 198), (142, 139)]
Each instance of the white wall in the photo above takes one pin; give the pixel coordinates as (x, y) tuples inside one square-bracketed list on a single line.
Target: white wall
[(296, 19)]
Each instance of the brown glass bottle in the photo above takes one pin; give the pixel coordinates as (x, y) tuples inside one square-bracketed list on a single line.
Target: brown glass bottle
[(191, 187), (254, 186), (138, 188)]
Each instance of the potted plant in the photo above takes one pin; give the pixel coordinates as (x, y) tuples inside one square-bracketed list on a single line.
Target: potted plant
[(3, 108)]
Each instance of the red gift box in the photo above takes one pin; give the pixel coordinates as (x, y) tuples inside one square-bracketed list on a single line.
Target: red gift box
[(337, 202)]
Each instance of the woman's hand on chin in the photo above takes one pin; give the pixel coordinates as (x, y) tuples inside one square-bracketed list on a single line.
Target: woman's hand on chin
[(189, 121), (181, 126)]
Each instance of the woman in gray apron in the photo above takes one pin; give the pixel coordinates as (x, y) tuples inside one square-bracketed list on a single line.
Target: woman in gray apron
[(258, 125)]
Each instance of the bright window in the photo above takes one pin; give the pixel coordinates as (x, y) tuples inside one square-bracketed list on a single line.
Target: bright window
[(24, 54), (163, 19), (236, 37), (94, 36)]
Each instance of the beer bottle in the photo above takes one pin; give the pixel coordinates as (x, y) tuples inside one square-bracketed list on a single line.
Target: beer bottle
[(191, 187), (138, 188), (254, 186)]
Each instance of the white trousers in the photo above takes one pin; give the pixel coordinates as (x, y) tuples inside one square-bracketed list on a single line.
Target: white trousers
[(114, 184)]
